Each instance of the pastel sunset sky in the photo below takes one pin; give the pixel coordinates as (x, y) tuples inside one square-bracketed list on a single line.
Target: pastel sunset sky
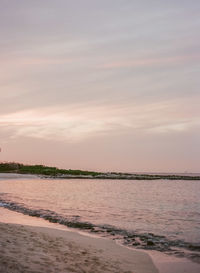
[(101, 84)]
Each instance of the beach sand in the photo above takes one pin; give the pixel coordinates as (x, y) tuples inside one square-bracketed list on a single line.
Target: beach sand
[(35, 248)]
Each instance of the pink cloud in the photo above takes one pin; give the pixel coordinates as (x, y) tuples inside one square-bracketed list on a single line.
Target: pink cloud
[(36, 60), (151, 61)]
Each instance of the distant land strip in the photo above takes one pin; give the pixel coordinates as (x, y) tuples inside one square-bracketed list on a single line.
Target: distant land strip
[(53, 172)]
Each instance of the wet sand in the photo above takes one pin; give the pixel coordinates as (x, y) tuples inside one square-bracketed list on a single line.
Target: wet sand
[(35, 248)]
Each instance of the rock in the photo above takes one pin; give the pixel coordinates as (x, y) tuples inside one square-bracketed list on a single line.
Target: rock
[(150, 243), (135, 244)]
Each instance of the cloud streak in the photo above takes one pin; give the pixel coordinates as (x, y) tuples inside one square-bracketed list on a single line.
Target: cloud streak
[(87, 121), (151, 62)]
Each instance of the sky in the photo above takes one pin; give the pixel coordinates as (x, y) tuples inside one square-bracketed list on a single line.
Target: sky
[(110, 85)]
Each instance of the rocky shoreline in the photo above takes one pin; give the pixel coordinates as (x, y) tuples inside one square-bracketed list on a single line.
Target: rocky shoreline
[(123, 177)]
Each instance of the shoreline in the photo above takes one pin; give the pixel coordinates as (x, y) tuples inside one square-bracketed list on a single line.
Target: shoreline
[(40, 246), (16, 175), (164, 263), (139, 241), (132, 260)]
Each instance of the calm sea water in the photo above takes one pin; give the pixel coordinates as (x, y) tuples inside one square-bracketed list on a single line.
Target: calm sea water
[(169, 208)]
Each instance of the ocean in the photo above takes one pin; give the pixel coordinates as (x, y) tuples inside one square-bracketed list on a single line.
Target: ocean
[(161, 215)]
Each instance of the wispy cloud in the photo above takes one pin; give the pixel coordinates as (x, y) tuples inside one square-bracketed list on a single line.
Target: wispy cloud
[(86, 121), (61, 125), (151, 62), (27, 61)]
